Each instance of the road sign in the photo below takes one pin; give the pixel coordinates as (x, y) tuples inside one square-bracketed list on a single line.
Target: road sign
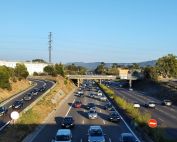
[(152, 123), (14, 115)]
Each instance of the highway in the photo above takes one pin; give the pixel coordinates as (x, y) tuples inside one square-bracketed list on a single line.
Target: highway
[(39, 83), (82, 123), (166, 116)]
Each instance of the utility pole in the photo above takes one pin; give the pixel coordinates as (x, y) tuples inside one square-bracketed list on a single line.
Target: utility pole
[(50, 46)]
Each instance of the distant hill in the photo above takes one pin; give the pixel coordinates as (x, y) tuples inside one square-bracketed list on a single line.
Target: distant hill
[(93, 65)]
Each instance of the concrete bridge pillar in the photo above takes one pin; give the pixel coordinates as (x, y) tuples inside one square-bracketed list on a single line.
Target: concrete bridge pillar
[(130, 83), (78, 82), (100, 81)]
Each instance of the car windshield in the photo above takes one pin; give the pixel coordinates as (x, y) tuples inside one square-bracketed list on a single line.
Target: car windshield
[(68, 119), (17, 102), (128, 139), (62, 138), (92, 111), (96, 132), (1, 109)]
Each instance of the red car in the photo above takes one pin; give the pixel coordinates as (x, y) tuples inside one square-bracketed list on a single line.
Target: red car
[(77, 104)]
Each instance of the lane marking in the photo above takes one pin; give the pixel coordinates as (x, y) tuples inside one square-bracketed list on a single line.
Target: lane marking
[(109, 140), (70, 108), (83, 122), (104, 122), (100, 110), (81, 140)]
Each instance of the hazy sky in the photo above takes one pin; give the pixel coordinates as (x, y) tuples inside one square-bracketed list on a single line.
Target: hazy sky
[(88, 30)]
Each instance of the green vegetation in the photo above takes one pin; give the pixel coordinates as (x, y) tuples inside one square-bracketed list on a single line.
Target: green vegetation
[(39, 61), (4, 78), (141, 119), (21, 71), (54, 70), (150, 73), (167, 66), (75, 70), (101, 69), (7, 74)]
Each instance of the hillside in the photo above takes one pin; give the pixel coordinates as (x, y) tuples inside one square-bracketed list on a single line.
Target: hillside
[(93, 65)]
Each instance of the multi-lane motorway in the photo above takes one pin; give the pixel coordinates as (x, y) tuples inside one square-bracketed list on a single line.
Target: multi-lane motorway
[(166, 116), (111, 130), (8, 104)]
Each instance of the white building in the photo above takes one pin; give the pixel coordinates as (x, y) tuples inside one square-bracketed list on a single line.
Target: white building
[(31, 67)]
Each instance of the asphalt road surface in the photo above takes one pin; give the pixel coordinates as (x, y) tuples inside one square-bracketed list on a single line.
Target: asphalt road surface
[(6, 118), (82, 123), (166, 116)]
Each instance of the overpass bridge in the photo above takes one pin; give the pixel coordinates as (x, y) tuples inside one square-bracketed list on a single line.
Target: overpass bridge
[(80, 78)]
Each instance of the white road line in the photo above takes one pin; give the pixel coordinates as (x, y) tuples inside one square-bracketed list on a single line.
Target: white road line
[(70, 108), (100, 110), (83, 122), (81, 140), (109, 140), (104, 122)]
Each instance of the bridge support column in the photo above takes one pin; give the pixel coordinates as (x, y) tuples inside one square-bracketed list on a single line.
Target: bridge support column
[(78, 82), (130, 83), (100, 81)]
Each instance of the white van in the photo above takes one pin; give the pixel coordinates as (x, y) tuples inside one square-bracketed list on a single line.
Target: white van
[(63, 135)]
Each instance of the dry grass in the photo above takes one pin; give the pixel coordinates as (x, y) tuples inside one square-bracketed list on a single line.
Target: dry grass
[(16, 88)]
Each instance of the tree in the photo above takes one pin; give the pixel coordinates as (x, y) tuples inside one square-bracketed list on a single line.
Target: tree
[(101, 69), (50, 70), (4, 78), (21, 71), (73, 69), (167, 66), (60, 69), (39, 61), (150, 73)]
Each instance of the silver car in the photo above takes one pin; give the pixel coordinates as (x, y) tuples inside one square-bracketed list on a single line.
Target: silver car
[(92, 114), (95, 134)]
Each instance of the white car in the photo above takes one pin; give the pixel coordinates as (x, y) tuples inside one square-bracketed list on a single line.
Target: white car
[(136, 105), (103, 98), (130, 89), (99, 94), (63, 135), (92, 114), (150, 104)]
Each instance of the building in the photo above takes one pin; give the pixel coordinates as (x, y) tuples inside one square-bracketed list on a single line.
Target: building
[(31, 67), (123, 73)]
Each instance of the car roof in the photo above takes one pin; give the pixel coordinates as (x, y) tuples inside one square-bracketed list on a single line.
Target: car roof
[(95, 127), (64, 132)]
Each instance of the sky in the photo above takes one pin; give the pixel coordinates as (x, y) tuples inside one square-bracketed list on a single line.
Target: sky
[(122, 31)]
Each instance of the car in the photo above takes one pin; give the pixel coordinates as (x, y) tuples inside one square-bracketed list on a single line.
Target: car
[(91, 105), (103, 98), (99, 94), (17, 104), (3, 110), (108, 106), (35, 91), (92, 114), (68, 122), (151, 104), (127, 137), (130, 89), (28, 97), (167, 102), (95, 134), (114, 116), (136, 105), (63, 135), (41, 89), (77, 104), (80, 94), (91, 95)]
